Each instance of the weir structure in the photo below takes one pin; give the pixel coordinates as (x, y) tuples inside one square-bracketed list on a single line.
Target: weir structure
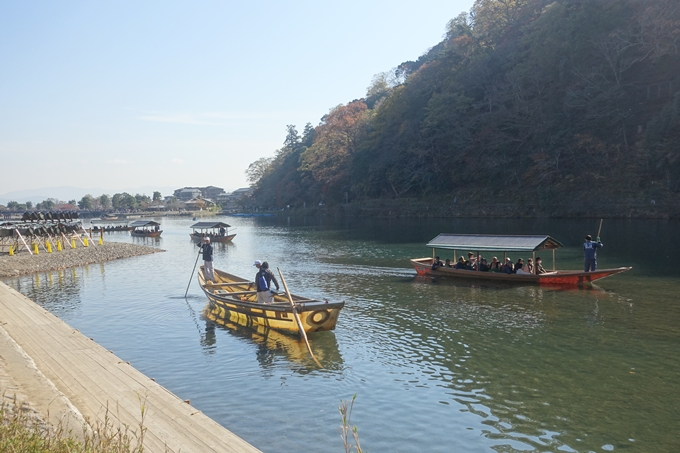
[(48, 232)]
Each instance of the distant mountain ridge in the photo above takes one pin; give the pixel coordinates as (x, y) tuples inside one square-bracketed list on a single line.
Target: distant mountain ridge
[(66, 193)]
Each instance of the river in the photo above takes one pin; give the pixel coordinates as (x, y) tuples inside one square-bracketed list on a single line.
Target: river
[(436, 366)]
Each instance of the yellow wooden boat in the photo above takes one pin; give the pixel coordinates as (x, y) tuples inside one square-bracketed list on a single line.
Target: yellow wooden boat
[(231, 296)]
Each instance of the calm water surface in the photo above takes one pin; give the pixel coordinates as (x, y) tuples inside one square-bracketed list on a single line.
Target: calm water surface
[(437, 366)]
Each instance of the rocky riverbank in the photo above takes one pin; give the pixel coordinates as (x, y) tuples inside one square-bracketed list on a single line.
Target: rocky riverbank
[(25, 263)]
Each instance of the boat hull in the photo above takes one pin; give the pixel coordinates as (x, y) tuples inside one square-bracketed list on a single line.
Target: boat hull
[(146, 234), (423, 266), (213, 237), (242, 307)]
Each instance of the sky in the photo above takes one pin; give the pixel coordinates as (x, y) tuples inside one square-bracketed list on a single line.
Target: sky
[(176, 93)]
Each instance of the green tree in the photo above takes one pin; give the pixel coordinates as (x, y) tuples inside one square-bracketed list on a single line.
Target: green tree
[(29, 205), (87, 202), (117, 201), (123, 201), (13, 205), (105, 201), (157, 196), (142, 201)]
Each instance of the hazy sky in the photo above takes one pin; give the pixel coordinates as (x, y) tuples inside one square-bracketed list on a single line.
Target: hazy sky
[(130, 94)]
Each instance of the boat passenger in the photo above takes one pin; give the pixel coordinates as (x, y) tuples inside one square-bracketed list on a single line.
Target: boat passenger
[(263, 280), (508, 268), (520, 262), (530, 266), (461, 263), (495, 265), (437, 263), (472, 260), (447, 263), (519, 270), (222, 231), (483, 265), (539, 266)]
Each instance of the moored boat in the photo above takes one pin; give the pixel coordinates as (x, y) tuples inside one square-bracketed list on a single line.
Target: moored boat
[(145, 229), (216, 231), (478, 243), (235, 299)]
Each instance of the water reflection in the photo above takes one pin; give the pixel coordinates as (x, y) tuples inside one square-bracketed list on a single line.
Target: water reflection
[(56, 291), (274, 345), (148, 241)]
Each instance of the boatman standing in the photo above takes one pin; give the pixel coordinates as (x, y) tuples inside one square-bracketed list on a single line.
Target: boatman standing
[(263, 280), (207, 259), (590, 251)]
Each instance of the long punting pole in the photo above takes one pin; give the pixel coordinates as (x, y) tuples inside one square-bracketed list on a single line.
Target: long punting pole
[(599, 230), (192, 273), (297, 318)]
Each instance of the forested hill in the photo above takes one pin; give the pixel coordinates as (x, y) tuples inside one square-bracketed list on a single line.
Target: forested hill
[(523, 101)]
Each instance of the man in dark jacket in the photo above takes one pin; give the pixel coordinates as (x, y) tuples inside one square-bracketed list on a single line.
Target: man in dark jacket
[(590, 252), (207, 250), (263, 280)]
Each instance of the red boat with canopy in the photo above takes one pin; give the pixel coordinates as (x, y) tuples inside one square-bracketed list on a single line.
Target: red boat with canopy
[(478, 243)]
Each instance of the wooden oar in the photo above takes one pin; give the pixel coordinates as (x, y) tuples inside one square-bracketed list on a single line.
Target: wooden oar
[(297, 318)]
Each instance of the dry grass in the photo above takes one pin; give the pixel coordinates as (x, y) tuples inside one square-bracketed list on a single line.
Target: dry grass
[(346, 428), (21, 431)]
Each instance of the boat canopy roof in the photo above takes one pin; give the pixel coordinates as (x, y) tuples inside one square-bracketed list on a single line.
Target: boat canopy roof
[(487, 242), (143, 223), (109, 222), (204, 225)]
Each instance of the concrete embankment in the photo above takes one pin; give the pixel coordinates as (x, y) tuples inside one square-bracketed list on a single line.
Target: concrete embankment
[(63, 375), (25, 263)]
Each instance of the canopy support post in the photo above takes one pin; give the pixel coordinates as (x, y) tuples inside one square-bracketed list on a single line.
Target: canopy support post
[(553, 260)]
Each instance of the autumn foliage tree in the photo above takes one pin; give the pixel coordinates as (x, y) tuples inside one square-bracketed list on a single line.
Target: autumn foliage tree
[(337, 141), (537, 101)]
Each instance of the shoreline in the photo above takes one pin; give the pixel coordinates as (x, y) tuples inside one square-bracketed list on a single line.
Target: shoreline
[(60, 377), (24, 263)]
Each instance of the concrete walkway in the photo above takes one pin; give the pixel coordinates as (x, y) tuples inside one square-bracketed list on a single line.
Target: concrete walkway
[(62, 373)]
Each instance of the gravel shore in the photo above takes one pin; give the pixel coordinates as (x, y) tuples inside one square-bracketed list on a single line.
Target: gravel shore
[(24, 263)]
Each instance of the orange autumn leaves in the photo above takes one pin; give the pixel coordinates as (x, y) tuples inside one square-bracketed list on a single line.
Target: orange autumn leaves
[(337, 139)]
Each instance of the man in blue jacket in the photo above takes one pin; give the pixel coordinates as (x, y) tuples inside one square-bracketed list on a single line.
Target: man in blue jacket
[(590, 251), (263, 280)]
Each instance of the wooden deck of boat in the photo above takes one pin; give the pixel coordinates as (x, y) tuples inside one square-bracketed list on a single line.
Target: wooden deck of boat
[(92, 379)]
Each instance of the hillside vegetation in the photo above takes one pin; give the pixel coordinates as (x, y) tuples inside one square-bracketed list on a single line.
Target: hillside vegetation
[(524, 101)]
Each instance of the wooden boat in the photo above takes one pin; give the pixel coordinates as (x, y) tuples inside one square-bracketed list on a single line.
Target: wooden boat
[(235, 299), (478, 243), (211, 230), (109, 226), (145, 229)]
